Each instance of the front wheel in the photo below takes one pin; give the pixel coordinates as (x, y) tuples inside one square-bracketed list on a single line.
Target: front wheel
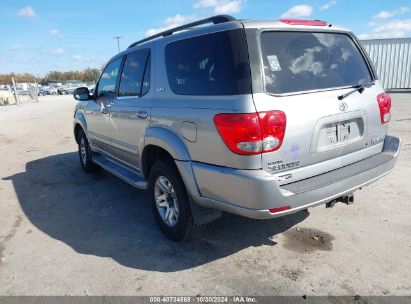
[(85, 154), (170, 202)]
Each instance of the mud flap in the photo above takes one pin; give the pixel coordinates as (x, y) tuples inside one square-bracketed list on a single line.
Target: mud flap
[(202, 215)]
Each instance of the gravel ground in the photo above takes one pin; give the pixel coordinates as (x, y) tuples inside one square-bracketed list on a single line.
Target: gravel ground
[(65, 232)]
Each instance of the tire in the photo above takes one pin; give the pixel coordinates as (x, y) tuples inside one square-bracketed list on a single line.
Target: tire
[(54, 93), (164, 174), (85, 154)]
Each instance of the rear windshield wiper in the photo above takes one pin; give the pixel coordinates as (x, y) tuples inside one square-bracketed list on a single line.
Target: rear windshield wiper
[(358, 88)]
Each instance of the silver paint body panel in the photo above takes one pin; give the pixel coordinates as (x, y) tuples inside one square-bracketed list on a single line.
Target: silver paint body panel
[(216, 177)]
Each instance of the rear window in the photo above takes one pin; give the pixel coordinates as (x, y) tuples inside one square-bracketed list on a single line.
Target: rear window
[(212, 64), (305, 61)]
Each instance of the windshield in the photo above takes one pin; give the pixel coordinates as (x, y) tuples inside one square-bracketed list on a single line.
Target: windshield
[(305, 61)]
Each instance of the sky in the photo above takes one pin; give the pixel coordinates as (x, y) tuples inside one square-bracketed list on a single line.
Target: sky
[(38, 36)]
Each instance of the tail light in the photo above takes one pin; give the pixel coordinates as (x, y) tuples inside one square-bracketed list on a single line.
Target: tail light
[(252, 133), (384, 103)]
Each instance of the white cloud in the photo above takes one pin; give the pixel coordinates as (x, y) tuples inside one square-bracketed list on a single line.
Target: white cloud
[(16, 47), (232, 7), (390, 29), (171, 22), (86, 60), (327, 5), (297, 11), (205, 3), (57, 52), (179, 19), (54, 32), (221, 6), (390, 14), (384, 15), (27, 12)]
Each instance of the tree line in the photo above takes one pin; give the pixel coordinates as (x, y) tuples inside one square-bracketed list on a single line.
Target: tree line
[(87, 75)]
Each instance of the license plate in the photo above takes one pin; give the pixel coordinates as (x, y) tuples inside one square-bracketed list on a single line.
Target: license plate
[(339, 132)]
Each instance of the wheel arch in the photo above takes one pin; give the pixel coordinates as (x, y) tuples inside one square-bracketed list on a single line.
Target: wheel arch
[(161, 143), (79, 124), (168, 141)]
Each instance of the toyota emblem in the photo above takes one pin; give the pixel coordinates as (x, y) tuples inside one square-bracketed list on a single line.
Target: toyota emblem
[(343, 106)]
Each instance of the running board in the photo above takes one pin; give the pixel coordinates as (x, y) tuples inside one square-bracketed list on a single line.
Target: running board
[(126, 174)]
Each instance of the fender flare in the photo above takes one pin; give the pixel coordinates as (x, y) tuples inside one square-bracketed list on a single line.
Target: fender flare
[(172, 143), (168, 141), (81, 121)]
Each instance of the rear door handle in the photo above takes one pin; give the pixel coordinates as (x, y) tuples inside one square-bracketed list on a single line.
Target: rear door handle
[(142, 114)]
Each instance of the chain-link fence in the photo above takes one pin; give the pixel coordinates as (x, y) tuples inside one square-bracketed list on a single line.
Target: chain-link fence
[(9, 96)]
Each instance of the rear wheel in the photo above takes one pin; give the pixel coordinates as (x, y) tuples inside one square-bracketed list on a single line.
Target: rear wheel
[(85, 154), (170, 202)]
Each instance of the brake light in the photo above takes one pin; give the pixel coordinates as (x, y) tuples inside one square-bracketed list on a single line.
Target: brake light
[(384, 103), (252, 133), (279, 209), (304, 22)]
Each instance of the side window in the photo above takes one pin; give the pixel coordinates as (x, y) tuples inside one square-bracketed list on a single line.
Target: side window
[(131, 81), (107, 84), (146, 80), (211, 64)]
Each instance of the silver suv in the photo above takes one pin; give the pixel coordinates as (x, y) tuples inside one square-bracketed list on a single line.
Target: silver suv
[(256, 118)]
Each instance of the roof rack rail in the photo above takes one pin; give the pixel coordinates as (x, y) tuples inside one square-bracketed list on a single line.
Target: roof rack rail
[(215, 20)]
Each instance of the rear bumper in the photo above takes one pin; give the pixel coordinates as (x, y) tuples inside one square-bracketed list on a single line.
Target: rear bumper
[(252, 193)]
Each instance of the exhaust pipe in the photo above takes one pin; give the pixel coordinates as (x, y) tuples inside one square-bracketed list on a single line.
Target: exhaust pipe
[(346, 199), (330, 204)]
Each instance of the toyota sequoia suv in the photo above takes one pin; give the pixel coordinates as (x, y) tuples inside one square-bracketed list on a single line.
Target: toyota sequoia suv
[(256, 118)]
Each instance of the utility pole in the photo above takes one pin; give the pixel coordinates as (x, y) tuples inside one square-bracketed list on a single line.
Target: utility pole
[(16, 95), (118, 42)]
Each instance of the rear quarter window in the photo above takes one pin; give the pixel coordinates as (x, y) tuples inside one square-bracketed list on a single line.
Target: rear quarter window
[(305, 61), (212, 64)]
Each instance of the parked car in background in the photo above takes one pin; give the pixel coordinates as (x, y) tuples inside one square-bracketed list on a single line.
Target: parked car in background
[(256, 118), (50, 84), (70, 86), (43, 92), (64, 90), (52, 90)]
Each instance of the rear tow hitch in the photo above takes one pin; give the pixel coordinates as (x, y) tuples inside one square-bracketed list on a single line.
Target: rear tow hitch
[(346, 199)]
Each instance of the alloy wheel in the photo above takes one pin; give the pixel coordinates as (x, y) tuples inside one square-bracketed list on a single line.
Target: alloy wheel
[(166, 201)]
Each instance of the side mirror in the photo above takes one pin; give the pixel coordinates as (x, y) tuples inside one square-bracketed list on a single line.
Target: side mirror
[(82, 94)]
